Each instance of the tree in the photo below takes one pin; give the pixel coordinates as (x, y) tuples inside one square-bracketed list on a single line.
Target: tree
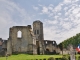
[(61, 47)]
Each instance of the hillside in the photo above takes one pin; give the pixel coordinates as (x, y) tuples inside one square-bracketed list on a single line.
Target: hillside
[(75, 40)]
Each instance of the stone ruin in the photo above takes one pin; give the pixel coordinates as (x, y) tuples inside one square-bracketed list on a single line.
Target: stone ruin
[(24, 39)]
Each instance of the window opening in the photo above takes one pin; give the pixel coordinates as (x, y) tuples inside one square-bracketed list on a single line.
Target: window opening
[(46, 42), (19, 34), (53, 42), (37, 31)]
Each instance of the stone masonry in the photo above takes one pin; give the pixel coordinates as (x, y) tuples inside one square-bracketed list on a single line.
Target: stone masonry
[(24, 39)]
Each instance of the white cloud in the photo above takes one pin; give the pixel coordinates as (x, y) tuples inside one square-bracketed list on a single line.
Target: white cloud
[(35, 8), (67, 25), (70, 1), (76, 10), (78, 15), (52, 22), (45, 10), (56, 17), (10, 15), (67, 1), (63, 21), (59, 13), (65, 8), (58, 7)]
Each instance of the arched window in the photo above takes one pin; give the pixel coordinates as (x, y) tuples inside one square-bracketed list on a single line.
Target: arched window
[(19, 34)]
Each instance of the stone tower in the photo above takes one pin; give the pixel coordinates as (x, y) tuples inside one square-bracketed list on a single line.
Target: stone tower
[(38, 32), (21, 40)]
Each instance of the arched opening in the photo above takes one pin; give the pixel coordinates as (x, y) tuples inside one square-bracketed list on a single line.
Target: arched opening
[(19, 34)]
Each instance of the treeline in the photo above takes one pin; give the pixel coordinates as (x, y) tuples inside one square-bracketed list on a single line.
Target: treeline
[(74, 41)]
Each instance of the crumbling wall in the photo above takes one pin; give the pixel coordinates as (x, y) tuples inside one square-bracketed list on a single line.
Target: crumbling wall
[(3, 47), (50, 47), (34, 42), (23, 44)]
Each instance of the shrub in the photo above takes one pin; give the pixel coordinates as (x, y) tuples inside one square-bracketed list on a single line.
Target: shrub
[(79, 58), (51, 58)]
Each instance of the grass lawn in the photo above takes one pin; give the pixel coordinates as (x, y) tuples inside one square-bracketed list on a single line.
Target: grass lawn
[(28, 57)]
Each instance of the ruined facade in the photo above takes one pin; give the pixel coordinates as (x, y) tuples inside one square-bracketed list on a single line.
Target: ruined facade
[(50, 47), (23, 43), (24, 39)]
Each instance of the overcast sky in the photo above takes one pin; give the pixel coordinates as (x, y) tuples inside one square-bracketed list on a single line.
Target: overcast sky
[(61, 18)]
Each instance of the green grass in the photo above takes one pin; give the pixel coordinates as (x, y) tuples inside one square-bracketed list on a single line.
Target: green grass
[(29, 57)]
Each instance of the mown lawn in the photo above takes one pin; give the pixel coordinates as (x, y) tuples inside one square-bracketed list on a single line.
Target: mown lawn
[(29, 57)]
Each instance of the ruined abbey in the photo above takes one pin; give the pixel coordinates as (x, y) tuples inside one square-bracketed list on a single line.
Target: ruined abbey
[(25, 39)]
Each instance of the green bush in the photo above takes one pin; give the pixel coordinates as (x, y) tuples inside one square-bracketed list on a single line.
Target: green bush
[(79, 58), (51, 58)]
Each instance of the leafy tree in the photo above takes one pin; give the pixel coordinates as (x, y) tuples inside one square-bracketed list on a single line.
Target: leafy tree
[(75, 40)]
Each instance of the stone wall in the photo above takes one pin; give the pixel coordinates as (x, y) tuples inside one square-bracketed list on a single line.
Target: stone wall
[(3, 47), (22, 39), (1, 41), (22, 44), (50, 47), (38, 32)]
